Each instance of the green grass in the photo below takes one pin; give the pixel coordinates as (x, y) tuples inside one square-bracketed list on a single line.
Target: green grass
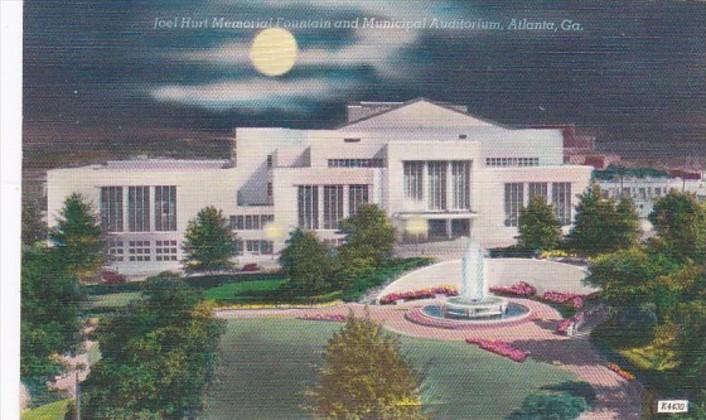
[(113, 300), (267, 364), (242, 291), (51, 411)]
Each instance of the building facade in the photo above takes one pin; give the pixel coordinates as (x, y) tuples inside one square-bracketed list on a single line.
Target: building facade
[(421, 161)]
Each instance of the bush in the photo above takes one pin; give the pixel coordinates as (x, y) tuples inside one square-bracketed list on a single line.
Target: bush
[(389, 270), (562, 406)]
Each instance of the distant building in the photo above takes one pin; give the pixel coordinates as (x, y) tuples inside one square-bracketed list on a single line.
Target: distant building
[(646, 186), (580, 150), (422, 161)]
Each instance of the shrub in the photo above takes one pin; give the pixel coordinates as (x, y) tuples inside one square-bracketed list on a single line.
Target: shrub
[(520, 289), (562, 406)]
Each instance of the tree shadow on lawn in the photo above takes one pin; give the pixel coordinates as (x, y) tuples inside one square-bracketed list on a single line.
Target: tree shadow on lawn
[(611, 393), (545, 324)]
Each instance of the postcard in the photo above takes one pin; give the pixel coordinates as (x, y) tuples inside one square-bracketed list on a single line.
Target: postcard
[(363, 209)]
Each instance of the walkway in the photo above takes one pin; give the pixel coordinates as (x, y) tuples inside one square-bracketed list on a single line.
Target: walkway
[(616, 397)]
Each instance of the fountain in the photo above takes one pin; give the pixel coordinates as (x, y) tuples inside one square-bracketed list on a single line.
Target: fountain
[(475, 303)]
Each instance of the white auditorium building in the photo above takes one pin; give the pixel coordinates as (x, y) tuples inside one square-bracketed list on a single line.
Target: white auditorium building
[(419, 160)]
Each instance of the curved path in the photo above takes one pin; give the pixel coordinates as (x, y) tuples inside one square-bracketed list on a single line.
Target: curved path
[(616, 397)]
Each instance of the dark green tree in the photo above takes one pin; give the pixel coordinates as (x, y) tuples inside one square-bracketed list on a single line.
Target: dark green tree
[(626, 228), (601, 225), (209, 243), (364, 376), (369, 234), (307, 264), (680, 222), (50, 313), (538, 226), (158, 356), (34, 229), (78, 237)]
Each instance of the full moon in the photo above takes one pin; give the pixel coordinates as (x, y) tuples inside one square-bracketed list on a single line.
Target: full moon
[(273, 51)]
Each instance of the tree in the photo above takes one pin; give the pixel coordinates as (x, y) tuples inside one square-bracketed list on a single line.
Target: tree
[(78, 237), (33, 227), (625, 276), (369, 234), (680, 222), (307, 264), (626, 228), (538, 226), (601, 226), (158, 355), (364, 376), (209, 243), (50, 313)]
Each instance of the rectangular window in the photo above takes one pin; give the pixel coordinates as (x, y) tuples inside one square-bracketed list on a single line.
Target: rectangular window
[(333, 206), (514, 200), (269, 161), (561, 200), (239, 246), (513, 161), (237, 222), (116, 250), (357, 196), (165, 250), (351, 140), (165, 208), (436, 170), (138, 201), (356, 163), (308, 206), (139, 251), (460, 171), (413, 180), (258, 247), (538, 189), (112, 208), (269, 189)]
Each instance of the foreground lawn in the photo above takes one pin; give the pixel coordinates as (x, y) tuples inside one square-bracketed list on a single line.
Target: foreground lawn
[(266, 365), (241, 291), (52, 411)]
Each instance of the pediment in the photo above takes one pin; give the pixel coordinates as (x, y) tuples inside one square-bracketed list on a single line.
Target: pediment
[(419, 113)]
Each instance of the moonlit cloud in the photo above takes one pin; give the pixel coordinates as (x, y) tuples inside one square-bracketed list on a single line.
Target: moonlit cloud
[(252, 94), (374, 48)]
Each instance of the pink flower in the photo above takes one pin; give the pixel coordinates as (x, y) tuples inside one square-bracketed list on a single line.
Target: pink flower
[(518, 289), (417, 294), (501, 348), (323, 317)]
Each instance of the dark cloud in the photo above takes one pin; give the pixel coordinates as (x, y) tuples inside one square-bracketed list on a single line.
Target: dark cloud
[(96, 72)]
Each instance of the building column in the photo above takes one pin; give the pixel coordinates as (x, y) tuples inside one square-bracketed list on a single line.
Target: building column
[(425, 185), (449, 187), (346, 202), (449, 232), (320, 218)]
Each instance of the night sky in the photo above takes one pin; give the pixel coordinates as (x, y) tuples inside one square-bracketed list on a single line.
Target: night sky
[(98, 74)]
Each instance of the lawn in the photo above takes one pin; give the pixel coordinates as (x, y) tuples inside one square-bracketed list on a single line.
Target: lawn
[(51, 411), (266, 365), (113, 300), (242, 291)]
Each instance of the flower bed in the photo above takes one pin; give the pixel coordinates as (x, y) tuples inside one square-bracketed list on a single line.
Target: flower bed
[(323, 317), (418, 294), (622, 373), (501, 348), (574, 300), (520, 289), (563, 327)]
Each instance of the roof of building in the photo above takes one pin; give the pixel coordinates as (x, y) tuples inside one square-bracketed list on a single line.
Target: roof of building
[(161, 164)]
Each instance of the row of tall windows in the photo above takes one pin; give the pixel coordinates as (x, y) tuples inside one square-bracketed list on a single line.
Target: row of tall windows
[(138, 208), (515, 199), (333, 204), (436, 173)]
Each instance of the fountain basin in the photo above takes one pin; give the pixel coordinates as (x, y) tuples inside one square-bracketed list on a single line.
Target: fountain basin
[(513, 312), (464, 307)]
